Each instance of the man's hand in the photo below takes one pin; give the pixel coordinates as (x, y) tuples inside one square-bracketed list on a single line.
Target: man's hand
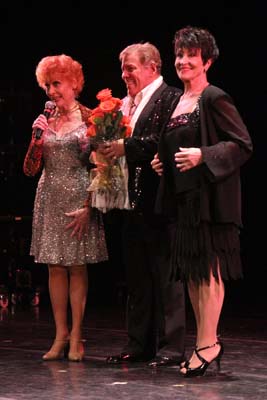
[(157, 165), (112, 150)]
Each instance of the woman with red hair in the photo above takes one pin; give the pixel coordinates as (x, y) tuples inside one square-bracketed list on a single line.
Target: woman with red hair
[(60, 148)]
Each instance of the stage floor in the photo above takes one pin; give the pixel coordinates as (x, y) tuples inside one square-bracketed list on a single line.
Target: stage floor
[(26, 332)]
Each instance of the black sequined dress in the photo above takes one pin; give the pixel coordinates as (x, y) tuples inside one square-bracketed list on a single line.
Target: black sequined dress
[(199, 244)]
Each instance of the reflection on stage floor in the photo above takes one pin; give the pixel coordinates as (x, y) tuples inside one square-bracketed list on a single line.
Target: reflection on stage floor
[(26, 332)]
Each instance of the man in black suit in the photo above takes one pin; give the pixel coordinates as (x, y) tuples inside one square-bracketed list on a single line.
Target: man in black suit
[(155, 305)]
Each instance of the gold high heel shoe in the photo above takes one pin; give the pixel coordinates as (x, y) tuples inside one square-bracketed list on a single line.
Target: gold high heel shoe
[(76, 351), (58, 350)]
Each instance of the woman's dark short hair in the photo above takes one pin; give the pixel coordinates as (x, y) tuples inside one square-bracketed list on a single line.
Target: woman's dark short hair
[(192, 37)]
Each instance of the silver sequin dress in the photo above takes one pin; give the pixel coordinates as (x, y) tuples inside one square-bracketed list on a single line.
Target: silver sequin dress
[(62, 188)]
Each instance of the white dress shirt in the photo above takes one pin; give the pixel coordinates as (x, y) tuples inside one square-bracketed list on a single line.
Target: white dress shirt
[(140, 100)]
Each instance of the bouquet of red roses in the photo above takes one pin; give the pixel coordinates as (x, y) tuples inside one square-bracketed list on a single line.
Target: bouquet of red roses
[(110, 180)]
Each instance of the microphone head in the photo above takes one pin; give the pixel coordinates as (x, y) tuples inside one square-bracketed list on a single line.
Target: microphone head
[(50, 105)]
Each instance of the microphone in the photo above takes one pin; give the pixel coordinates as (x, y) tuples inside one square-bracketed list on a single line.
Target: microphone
[(49, 107)]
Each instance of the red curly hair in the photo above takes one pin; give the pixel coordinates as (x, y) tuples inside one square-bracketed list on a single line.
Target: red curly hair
[(63, 66)]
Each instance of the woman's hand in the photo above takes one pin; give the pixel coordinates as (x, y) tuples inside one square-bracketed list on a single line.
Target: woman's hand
[(80, 222), (39, 123), (187, 158), (157, 165)]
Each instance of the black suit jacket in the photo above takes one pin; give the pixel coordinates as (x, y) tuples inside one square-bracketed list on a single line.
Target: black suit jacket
[(141, 147)]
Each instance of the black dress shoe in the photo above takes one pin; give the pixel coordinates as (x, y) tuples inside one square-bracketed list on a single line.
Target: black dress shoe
[(162, 361), (126, 358)]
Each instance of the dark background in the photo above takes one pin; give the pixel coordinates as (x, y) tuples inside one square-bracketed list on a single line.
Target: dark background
[(94, 33)]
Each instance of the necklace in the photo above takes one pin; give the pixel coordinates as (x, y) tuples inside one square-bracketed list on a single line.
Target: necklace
[(193, 94), (61, 116), (188, 96), (59, 113)]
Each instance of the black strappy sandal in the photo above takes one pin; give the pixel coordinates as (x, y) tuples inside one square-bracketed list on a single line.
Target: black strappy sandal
[(200, 371)]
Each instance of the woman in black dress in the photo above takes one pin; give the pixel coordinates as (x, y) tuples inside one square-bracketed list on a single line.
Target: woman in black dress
[(200, 153)]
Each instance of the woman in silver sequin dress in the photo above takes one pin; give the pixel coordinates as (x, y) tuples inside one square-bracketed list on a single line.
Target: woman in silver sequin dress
[(67, 234)]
